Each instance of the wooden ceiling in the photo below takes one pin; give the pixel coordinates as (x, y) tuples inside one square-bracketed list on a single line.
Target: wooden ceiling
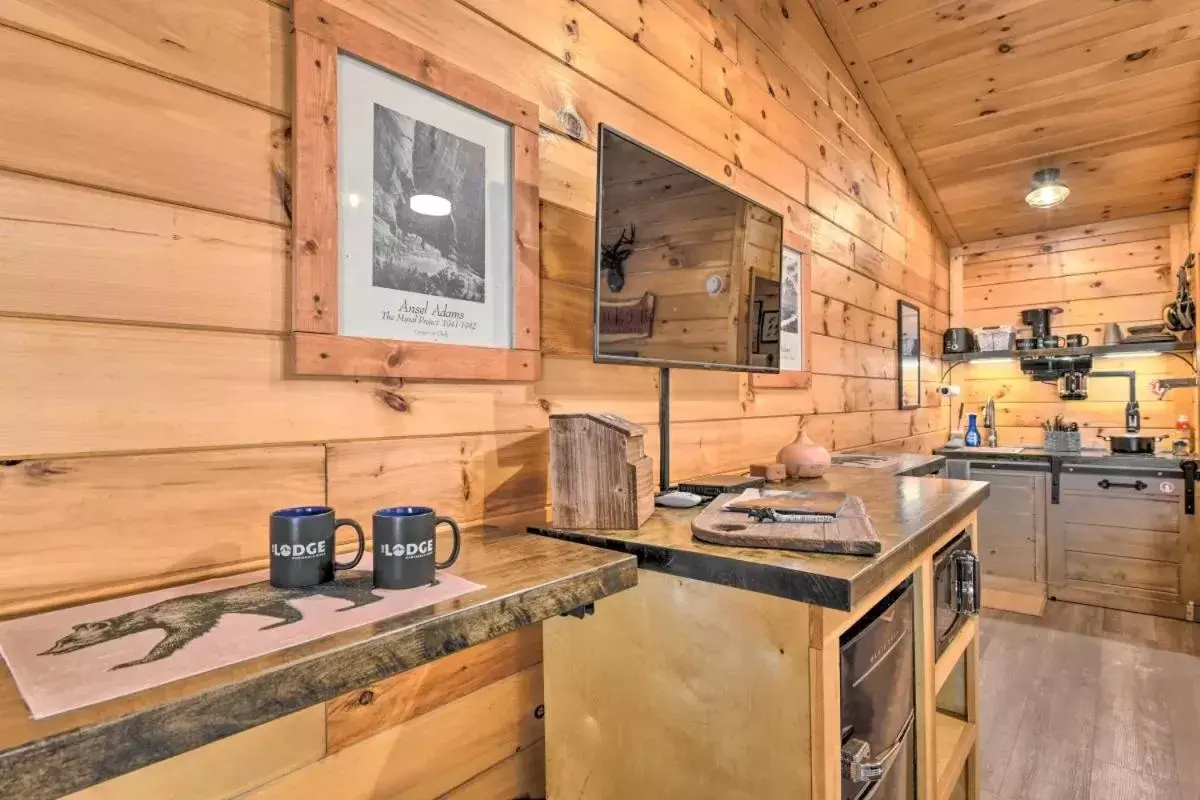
[(978, 94)]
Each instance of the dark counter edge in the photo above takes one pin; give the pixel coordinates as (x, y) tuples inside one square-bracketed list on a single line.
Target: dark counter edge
[(822, 590), (1106, 463), (67, 762)]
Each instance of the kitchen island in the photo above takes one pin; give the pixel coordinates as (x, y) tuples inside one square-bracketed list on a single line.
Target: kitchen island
[(719, 675), (1092, 527)]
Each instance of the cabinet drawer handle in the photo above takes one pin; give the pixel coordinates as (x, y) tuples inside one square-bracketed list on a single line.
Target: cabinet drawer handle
[(1137, 486)]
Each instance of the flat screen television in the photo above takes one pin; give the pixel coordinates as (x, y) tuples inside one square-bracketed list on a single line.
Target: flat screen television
[(688, 272)]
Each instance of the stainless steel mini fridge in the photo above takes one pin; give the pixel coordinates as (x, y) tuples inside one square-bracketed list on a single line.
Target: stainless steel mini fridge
[(879, 702)]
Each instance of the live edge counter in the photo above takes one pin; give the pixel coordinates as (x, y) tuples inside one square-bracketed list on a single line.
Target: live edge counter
[(909, 513), (527, 579), (718, 675)]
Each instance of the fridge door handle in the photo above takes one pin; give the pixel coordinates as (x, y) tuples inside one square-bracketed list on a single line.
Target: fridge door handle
[(966, 585), (857, 764)]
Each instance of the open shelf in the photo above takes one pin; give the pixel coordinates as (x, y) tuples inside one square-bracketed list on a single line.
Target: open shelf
[(1091, 350), (954, 740), (945, 664)]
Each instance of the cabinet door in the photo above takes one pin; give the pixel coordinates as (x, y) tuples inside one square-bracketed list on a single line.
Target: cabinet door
[(1012, 523), (1114, 540)]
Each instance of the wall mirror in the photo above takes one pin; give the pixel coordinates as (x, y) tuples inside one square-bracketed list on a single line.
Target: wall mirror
[(908, 352)]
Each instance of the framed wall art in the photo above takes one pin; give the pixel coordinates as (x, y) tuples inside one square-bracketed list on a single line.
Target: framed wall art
[(791, 325), (415, 211)]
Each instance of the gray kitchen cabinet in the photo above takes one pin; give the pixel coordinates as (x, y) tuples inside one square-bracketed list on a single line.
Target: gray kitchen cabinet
[(1116, 539), (1012, 521)]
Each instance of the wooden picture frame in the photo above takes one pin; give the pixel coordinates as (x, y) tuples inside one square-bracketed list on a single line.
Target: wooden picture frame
[(792, 379), (322, 32)]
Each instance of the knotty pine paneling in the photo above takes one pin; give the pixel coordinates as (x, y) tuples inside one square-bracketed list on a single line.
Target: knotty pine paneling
[(430, 754), (226, 768), (165, 519), (1122, 271), (82, 253), (358, 715), (229, 46), (144, 163), (81, 118)]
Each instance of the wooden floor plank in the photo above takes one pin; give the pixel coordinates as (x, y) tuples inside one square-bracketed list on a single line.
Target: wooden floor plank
[(1011, 652), (1089, 704), (1110, 782), (1052, 751), (1132, 726)]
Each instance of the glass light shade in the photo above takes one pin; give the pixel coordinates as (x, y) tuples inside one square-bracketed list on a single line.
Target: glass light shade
[(1048, 190), (430, 205)]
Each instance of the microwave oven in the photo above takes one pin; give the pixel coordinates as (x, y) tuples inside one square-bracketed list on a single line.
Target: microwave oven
[(956, 575)]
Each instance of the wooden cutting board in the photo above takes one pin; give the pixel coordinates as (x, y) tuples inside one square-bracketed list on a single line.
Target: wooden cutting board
[(851, 533)]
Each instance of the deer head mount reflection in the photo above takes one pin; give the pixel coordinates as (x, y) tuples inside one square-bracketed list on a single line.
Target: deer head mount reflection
[(613, 258)]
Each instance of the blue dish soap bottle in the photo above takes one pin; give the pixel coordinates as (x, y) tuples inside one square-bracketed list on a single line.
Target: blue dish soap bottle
[(973, 439)]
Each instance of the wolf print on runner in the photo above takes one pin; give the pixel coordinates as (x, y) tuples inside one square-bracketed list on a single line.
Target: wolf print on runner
[(185, 619)]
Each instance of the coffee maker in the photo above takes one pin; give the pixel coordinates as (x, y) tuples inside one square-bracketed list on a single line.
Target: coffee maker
[(1038, 320)]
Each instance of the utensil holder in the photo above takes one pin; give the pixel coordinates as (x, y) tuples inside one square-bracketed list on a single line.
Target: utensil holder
[(1062, 441)]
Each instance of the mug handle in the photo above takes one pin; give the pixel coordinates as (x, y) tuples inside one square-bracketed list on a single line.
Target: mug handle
[(362, 543), (1086, 340), (457, 542)]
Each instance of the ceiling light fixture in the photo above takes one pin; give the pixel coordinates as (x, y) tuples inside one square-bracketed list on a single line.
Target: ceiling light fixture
[(1048, 191), (430, 205)]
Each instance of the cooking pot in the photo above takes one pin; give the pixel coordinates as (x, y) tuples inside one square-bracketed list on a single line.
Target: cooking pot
[(1134, 443)]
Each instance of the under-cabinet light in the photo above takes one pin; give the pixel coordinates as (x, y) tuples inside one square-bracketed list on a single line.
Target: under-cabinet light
[(1133, 354), (992, 360)]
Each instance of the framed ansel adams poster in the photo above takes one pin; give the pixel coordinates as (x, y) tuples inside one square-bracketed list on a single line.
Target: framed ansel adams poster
[(415, 211), (791, 327)]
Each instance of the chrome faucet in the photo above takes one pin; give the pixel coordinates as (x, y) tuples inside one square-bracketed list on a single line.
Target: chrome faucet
[(989, 421)]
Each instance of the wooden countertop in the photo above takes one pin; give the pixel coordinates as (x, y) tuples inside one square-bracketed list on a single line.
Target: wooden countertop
[(527, 579), (909, 513)]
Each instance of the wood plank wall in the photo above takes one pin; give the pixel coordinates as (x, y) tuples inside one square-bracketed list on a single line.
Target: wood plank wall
[(1121, 271), (147, 420)]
